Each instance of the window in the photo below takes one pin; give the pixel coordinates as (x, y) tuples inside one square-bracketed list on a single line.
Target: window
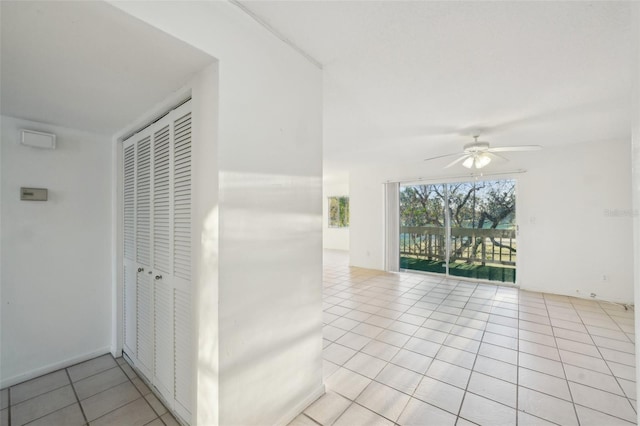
[(338, 212)]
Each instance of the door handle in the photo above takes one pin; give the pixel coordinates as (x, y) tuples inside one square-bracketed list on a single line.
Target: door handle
[(158, 277), (140, 269)]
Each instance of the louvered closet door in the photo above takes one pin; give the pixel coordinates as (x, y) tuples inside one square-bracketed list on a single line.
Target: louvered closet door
[(129, 237), (182, 198), (157, 205), (163, 261), (144, 295)]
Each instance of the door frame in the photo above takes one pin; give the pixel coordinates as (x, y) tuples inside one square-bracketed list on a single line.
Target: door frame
[(148, 118)]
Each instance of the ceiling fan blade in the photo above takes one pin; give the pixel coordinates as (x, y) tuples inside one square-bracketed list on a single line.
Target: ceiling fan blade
[(443, 156), (515, 148), (456, 161), (494, 155)]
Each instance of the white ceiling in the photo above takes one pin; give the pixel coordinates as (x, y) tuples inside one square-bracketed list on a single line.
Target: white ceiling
[(87, 65), (403, 80), (406, 80)]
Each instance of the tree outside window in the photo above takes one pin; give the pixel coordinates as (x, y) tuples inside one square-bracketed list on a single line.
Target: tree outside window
[(338, 212)]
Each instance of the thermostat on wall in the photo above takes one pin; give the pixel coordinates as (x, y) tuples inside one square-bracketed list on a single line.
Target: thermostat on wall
[(34, 194), (38, 139)]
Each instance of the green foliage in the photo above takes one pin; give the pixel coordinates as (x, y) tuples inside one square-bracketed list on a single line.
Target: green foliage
[(338, 212), (422, 205), (486, 204)]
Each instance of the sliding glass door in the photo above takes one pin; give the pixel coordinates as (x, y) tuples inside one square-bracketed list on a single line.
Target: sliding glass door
[(423, 232), (473, 237)]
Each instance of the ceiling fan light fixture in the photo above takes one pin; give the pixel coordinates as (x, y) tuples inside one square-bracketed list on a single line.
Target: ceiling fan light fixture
[(482, 160), (476, 160), (468, 163)]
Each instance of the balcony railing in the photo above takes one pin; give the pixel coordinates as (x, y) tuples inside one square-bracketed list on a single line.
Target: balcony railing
[(471, 245)]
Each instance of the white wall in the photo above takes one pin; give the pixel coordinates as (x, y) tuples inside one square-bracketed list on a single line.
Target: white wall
[(366, 224), (56, 264), (574, 223), (269, 241), (635, 185), (205, 298), (334, 238), (567, 241)]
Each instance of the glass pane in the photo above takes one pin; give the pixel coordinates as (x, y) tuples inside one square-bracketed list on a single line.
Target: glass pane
[(344, 211), (483, 230), (338, 212), (422, 228)]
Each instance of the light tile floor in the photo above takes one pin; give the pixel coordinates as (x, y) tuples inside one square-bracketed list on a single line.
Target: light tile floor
[(406, 349), (414, 349), (101, 391)]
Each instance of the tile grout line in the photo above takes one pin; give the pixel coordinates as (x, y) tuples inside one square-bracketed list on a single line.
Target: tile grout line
[(84, 415), (466, 389), (518, 371), (70, 383), (94, 374), (159, 416), (557, 397), (389, 362), (517, 353), (609, 368), (384, 328), (308, 418), (35, 378), (443, 344), (475, 353), (48, 414), (51, 412), (570, 363), (56, 371), (413, 336), (575, 410), (351, 401), (606, 361), (119, 407), (443, 299)]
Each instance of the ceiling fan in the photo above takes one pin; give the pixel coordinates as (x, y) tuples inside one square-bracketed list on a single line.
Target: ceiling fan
[(478, 154)]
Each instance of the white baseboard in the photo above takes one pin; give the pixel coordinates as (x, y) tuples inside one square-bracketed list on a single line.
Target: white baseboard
[(584, 296), (10, 381), (299, 408)]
